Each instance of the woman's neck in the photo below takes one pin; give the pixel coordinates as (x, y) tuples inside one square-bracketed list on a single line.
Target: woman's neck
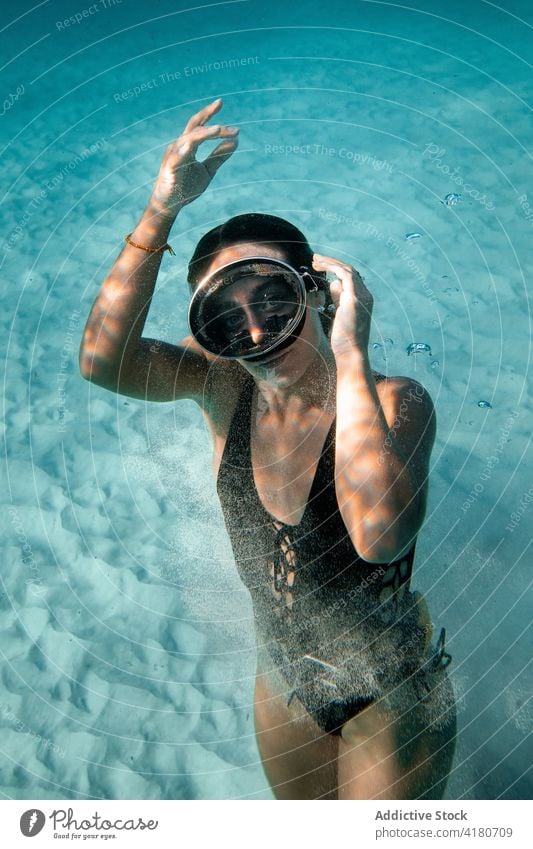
[(314, 389)]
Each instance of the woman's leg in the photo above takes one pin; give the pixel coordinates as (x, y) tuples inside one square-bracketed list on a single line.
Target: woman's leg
[(300, 760), (380, 754), (383, 757)]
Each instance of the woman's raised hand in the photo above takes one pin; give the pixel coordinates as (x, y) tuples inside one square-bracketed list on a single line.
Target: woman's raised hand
[(353, 303), (182, 177)]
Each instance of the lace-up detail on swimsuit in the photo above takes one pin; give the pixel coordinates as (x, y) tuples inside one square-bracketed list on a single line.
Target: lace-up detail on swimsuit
[(394, 583), (282, 569)]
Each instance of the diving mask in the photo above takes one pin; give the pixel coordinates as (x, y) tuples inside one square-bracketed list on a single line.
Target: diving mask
[(249, 308)]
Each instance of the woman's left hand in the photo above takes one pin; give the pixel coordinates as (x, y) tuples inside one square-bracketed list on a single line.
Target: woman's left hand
[(353, 302)]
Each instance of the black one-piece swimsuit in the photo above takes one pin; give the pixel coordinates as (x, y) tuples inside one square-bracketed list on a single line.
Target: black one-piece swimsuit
[(332, 623)]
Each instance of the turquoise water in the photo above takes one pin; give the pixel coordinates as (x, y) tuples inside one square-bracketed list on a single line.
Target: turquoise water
[(127, 648)]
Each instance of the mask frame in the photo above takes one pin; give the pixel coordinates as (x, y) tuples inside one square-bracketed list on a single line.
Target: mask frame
[(212, 284)]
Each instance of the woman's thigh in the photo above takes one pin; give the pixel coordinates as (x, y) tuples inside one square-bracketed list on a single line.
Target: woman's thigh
[(383, 755), (299, 758)]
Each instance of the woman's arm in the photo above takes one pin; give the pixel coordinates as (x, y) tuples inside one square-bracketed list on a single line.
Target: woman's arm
[(113, 353), (382, 447), (382, 459)]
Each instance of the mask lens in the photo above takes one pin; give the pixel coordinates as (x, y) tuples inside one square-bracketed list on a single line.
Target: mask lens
[(248, 308)]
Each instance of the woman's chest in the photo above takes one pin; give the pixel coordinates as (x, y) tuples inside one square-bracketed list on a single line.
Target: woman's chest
[(285, 462)]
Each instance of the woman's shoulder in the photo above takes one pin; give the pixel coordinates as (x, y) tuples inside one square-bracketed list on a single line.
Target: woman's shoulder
[(399, 391), (223, 389), (399, 382)]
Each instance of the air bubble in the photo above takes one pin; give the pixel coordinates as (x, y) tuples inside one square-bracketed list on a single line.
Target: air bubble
[(383, 346), (418, 348), (451, 199)]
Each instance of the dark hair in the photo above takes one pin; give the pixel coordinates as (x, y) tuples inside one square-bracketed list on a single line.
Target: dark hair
[(259, 228)]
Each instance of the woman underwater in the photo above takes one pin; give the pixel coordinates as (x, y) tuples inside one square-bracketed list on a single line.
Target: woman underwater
[(321, 468)]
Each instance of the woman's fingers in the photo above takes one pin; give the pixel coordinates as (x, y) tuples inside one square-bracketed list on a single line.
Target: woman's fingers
[(219, 155), (351, 281), (200, 134), (189, 142), (329, 263), (335, 290), (343, 273), (354, 302), (203, 115)]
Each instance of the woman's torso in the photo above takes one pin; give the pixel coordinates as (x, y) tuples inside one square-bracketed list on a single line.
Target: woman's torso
[(324, 617), (305, 577)]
